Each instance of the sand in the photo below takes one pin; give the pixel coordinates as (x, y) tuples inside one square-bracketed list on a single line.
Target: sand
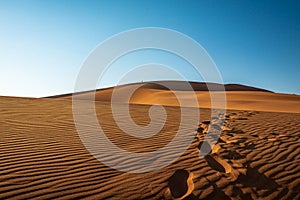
[(238, 97), (256, 157)]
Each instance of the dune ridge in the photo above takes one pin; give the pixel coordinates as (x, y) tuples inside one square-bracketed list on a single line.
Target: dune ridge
[(238, 97), (178, 86)]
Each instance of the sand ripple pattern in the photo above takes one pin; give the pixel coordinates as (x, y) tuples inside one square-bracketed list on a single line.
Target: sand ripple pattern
[(42, 157)]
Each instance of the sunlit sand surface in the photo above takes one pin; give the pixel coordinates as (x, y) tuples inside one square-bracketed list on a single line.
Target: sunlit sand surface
[(257, 155)]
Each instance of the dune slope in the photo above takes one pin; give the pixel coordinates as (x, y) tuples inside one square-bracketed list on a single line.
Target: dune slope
[(238, 97), (42, 156)]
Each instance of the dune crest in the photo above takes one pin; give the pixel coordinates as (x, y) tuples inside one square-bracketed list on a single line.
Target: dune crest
[(238, 97)]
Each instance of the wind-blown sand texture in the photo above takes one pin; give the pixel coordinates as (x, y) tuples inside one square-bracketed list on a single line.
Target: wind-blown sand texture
[(256, 157)]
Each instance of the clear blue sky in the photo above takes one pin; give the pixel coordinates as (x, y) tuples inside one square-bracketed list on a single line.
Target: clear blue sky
[(43, 43)]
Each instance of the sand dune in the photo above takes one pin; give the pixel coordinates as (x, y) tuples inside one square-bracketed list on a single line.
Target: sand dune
[(256, 157), (238, 97)]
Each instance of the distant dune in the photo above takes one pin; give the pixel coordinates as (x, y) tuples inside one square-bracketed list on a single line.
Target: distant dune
[(238, 97), (181, 86), (201, 86)]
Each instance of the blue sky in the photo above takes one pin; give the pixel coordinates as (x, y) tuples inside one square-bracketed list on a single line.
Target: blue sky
[(44, 43)]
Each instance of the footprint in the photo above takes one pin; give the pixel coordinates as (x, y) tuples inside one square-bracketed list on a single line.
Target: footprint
[(215, 127), (203, 127), (254, 178), (218, 164), (200, 130), (204, 148), (180, 185), (214, 164), (206, 122)]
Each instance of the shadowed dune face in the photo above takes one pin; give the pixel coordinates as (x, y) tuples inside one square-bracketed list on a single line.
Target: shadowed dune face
[(238, 97)]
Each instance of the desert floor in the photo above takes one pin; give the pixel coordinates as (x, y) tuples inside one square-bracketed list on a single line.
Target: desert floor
[(256, 157)]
